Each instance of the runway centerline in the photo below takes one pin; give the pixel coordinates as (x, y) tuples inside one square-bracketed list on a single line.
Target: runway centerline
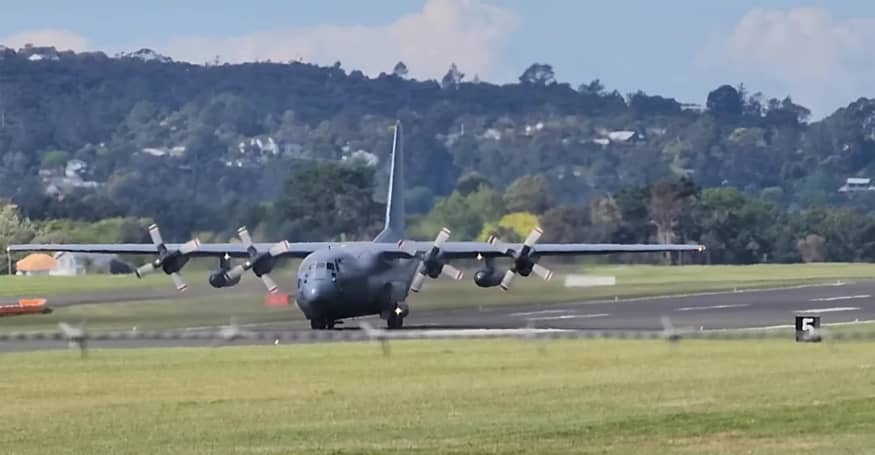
[(712, 307)]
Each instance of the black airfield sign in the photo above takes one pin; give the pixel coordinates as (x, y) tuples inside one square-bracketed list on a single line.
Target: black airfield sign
[(807, 328)]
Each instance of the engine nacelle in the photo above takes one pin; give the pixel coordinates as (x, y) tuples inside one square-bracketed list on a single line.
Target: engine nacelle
[(220, 279), (487, 278), (174, 263)]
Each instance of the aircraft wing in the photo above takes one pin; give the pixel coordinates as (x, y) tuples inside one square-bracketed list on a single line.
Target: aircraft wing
[(450, 250), (462, 250), (301, 249)]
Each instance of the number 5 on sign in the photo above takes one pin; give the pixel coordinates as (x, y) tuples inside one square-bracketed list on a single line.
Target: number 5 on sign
[(806, 328)]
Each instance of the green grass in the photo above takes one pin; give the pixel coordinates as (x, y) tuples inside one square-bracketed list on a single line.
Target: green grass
[(496, 397), (640, 281), (12, 287), (206, 306)]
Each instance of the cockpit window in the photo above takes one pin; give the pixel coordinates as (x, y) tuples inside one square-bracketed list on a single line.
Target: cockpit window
[(330, 266)]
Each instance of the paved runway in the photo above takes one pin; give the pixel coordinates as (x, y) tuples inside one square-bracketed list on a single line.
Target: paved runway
[(839, 302)]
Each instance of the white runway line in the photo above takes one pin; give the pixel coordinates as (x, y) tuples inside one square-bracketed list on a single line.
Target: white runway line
[(533, 313), (841, 297), (472, 332), (570, 316), (712, 307), (829, 310), (791, 326)]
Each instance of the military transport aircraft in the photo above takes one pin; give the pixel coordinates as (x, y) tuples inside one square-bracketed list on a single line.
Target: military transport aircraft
[(338, 280)]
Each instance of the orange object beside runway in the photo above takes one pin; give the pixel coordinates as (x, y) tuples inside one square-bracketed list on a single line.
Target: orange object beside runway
[(25, 306), (278, 299)]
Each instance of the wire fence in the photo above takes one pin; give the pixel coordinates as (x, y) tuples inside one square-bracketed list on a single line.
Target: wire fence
[(80, 337)]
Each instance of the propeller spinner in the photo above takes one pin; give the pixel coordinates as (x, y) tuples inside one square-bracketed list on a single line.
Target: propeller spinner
[(170, 261), (261, 263), (523, 264), (432, 264)]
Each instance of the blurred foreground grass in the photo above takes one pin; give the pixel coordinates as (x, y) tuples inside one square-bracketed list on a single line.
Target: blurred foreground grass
[(487, 396)]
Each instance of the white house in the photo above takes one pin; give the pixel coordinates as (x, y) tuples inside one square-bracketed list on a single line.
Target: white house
[(857, 184), (67, 264)]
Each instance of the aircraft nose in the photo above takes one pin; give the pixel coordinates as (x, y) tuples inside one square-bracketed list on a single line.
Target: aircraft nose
[(320, 292)]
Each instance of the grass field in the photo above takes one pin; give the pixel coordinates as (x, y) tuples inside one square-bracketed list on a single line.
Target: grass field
[(206, 306), (496, 397)]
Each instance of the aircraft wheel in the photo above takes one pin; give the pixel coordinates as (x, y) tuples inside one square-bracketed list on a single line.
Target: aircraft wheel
[(330, 324), (394, 322), (317, 324)]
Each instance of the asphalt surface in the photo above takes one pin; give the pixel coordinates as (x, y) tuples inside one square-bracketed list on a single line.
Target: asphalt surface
[(835, 303)]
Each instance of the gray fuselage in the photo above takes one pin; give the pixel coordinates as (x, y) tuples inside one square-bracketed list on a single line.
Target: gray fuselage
[(351, 281)]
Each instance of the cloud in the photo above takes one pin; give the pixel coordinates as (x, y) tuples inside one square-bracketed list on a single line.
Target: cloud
[(61, 39), (469, 33), (803, 52)]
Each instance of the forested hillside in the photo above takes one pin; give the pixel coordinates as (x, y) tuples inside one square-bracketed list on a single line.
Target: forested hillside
[(209, 147)]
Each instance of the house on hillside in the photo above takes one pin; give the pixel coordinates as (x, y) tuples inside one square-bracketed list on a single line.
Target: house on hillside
[(853, 184)]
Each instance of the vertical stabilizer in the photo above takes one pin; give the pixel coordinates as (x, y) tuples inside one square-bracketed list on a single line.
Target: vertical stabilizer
[(394, 228)]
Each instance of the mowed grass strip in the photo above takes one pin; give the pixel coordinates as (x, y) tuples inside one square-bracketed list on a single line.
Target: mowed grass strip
[(487, 396)]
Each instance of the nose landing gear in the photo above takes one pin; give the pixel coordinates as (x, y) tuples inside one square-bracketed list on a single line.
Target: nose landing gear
[(322, 324), (395, 318)]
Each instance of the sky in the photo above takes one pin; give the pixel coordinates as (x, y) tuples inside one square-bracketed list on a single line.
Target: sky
[(817, 52)]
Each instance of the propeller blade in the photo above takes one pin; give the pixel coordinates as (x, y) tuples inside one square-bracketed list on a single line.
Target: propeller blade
[(279, 248), (452, 272), (442, 237), (236, 272), (190, 247), (508, 277), (542, 272), (155, 234), (533, 236), (243, 233), (270, 284), (178, 281), (417, 282), (144, 269)]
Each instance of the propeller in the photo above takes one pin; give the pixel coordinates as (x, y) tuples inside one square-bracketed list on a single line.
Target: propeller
[(261, 263), (432, 264), (171, 261), (523, 264)]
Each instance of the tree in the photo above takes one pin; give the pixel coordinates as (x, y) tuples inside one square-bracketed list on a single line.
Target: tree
[(566, 224), (538, 74), (464, 215), (54, 160), (527, 194), (400, 70), (725, 101), (513, 227), (812, 248), (595, 87), (471, 182), (328, 200), (13, 229), (453, 77), (644, 104), (666, 208)]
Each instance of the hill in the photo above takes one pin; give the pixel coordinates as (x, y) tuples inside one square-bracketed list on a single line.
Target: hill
[(199, 147)]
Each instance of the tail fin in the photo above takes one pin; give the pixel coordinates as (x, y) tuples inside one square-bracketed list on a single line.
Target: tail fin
[(394, 228)]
